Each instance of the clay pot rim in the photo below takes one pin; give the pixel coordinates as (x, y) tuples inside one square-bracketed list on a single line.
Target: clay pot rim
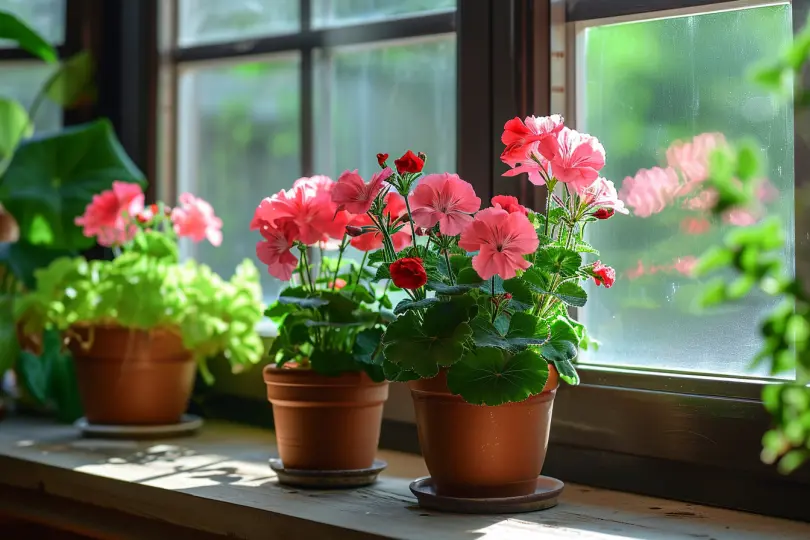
[(355, 378)]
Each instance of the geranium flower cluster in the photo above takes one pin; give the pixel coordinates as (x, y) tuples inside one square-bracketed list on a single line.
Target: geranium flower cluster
[(115, 216)]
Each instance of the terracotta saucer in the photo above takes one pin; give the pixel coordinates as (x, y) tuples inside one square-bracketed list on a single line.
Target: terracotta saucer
[(188, 424), (327, 479), (545, 496)]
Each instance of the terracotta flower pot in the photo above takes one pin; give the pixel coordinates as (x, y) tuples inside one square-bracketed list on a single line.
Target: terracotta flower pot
[(325, 423), (132, 377), (481, 451)]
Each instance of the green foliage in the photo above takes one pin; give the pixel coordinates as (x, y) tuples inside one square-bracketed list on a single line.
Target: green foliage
[(51, 377), (25, 37), (14, 126), (151, 290)]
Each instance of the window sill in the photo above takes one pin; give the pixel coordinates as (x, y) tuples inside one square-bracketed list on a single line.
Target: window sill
[(219, 484)]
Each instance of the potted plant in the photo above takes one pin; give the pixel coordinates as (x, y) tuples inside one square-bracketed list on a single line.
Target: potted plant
[(485, 333), (325, 381), (41, 193), (139, 325)]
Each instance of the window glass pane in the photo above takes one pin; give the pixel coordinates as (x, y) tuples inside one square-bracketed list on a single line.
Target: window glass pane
[(239, 134), (45, 16), (211, 21), (344, 12), (21, 81), (642, 88), (387, 97)]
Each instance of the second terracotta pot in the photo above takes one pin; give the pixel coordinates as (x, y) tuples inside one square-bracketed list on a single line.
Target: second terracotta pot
[(325, 423), (481, 451), (132, 377)]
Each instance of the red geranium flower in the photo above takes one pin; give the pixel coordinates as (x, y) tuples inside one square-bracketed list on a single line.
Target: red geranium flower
[(408, 273), (409, 163), (603, 275), (381, 159)]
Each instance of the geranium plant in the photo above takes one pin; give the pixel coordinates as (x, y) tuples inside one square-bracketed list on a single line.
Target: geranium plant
[(488, 289), (329, 318), (146, 286)]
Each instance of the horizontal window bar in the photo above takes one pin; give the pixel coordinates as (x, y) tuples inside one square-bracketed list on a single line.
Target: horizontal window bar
[(13, 53), (584, 10), (439, 23)]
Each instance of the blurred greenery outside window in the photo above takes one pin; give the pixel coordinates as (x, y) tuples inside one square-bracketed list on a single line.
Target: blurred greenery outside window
[(659, 93), (239, 120)]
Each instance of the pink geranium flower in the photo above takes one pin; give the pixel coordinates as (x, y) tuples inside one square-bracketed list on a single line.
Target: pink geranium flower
[(309, 206), (649, 191), (509, 203), (110, 214), (276, 252), (603, 275), (501, 240), (579, 160), (602, 194), (195, 219), (523, 138), (695, 225), (394, 209), (351, 193), (532, 169), (445, 199), (692, 158)]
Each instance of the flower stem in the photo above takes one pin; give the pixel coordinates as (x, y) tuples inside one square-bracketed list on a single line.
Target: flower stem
[(450, 269), (413, 230), (340, 258), (492, 291), (305, 260), (359, 274)]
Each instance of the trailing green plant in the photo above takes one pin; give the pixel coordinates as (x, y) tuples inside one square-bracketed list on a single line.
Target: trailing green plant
[(756, 255), (146, 286)]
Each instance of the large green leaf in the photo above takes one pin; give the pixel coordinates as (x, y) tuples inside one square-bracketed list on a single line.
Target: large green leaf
[(11, 27), (332, 363), (14, 126), (438, 340), (52, 178), (563, 343), (524, 330), (557, 260), (73, 82), (23, 259), (491, 376), (567, 371), (571, 293), (395, 373), (368, 346)]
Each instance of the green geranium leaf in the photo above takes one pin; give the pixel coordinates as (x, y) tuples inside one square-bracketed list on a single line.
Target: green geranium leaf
[(524, 330), (301, 302), (385, 301), (375, 372), (520, 290), (33, 374), (563, 343), (557, 260), (339, 308), (467, 276), (23, 259), (382, 273), (332, 363), (407, 305), (438, 340), (14, 126), (395, 373), (567, 371), (584, 247), (572, 294), (13, 28), (52, 178), (450, 290), (368, 346), (490, 376), (358, 293), (376, 257)]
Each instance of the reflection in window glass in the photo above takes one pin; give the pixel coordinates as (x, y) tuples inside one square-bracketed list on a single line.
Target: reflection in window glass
[(386, 98), (343, 12), (239, 141), (660, 95), (45, 16), (210, 21), (21, 81)]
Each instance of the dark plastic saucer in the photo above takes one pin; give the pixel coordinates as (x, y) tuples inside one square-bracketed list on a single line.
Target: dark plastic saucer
[(327, 479), (545, 496)]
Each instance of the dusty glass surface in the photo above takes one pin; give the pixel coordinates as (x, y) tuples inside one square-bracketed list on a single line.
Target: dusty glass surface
[(210, 21), (344, 12)]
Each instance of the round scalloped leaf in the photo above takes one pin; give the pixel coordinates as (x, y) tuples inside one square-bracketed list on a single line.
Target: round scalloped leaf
[(567, 372), (489, 376), (557, 260), (563, 343), (395, 373)]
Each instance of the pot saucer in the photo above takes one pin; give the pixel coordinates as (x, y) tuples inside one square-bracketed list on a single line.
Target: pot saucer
[(187, 425), (544, 496), (327, 479)]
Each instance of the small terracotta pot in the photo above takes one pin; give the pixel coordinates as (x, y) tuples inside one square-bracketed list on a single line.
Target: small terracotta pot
[(325, 423), (482, 451), (132, 377)]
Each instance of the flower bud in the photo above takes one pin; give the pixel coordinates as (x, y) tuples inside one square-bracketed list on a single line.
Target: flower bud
[(354, 231), (604, 213), (381, 159)]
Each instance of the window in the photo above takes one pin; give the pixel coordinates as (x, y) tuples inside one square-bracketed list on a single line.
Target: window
[(271, 90), (670, 391), (23, 77)]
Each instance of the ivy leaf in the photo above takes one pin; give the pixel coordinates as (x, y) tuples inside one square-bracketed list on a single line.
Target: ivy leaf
[(567, 371), (438, 340), (52, 178), (407, 305), (490, 376), (332, 363), (557, 260), (13, 28), (563, 343)]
